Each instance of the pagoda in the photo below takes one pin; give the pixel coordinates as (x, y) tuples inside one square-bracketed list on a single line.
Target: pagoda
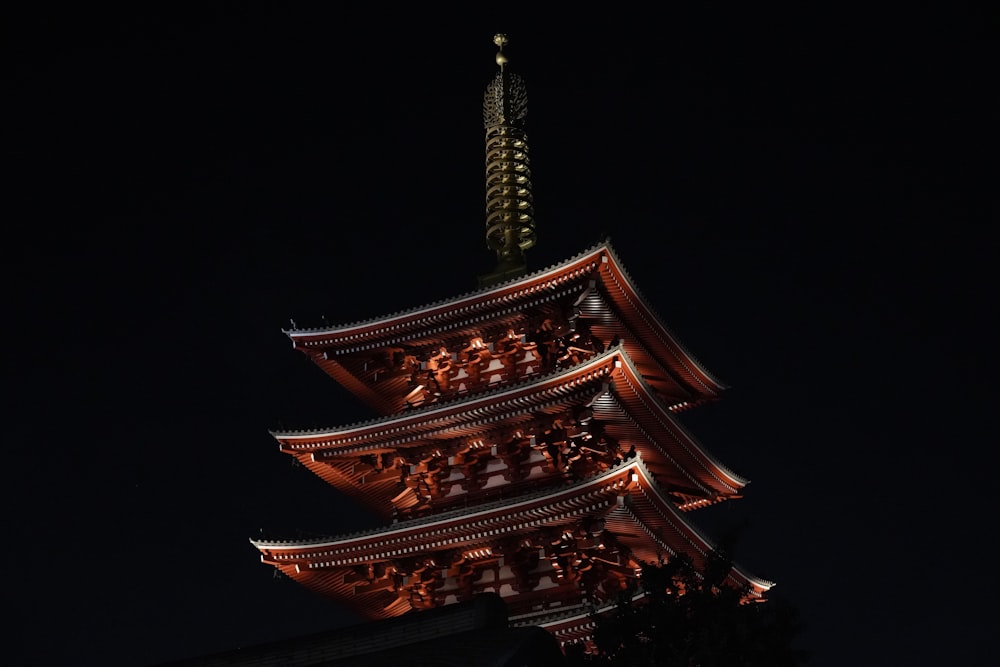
[(526, 441)]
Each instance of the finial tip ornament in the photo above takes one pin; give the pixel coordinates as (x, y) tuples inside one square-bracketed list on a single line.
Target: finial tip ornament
[(500, 40)]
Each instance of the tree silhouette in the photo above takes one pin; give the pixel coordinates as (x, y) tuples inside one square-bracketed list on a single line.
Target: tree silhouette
[(689, 618)]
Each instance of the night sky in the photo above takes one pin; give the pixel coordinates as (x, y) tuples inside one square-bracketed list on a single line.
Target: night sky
[(806, 199)]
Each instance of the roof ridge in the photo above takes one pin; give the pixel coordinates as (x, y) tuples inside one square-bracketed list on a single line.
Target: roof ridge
[(702, 449), (459, 398), (441, 302), (557, 483), (659, 318)]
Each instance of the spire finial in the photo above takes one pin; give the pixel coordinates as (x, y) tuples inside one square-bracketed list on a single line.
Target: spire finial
[(510, 222)]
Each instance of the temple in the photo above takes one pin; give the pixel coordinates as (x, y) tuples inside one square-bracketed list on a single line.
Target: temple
[(526, 441)]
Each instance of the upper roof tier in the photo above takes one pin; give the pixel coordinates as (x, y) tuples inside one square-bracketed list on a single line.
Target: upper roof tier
[(471, 342)]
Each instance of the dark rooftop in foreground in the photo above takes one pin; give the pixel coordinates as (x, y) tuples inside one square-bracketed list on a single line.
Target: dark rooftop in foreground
[(468, 634)]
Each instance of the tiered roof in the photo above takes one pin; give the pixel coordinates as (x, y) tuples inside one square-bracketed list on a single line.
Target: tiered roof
[(531, 453), (527, 441)]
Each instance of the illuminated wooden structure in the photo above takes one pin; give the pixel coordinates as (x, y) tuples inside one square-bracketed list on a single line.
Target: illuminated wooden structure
[(527, 442)]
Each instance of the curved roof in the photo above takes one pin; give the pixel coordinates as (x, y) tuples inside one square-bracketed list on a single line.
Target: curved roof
[(620, 398), (594, 283), (637, 511)]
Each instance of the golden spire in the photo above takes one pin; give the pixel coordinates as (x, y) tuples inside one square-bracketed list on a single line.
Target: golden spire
[(510, 222)]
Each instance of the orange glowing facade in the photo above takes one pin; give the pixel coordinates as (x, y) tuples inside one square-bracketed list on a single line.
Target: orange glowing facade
[(526, 440)]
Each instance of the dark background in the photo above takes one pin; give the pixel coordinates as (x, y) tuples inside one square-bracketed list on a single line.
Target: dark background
[(807, 198)]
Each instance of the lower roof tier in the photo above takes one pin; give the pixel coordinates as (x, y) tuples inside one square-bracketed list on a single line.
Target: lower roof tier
[(579, 544)]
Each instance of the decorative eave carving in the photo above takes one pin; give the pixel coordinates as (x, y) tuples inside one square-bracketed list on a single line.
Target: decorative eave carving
[(636, 511), (369, 460), (593, 286)]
